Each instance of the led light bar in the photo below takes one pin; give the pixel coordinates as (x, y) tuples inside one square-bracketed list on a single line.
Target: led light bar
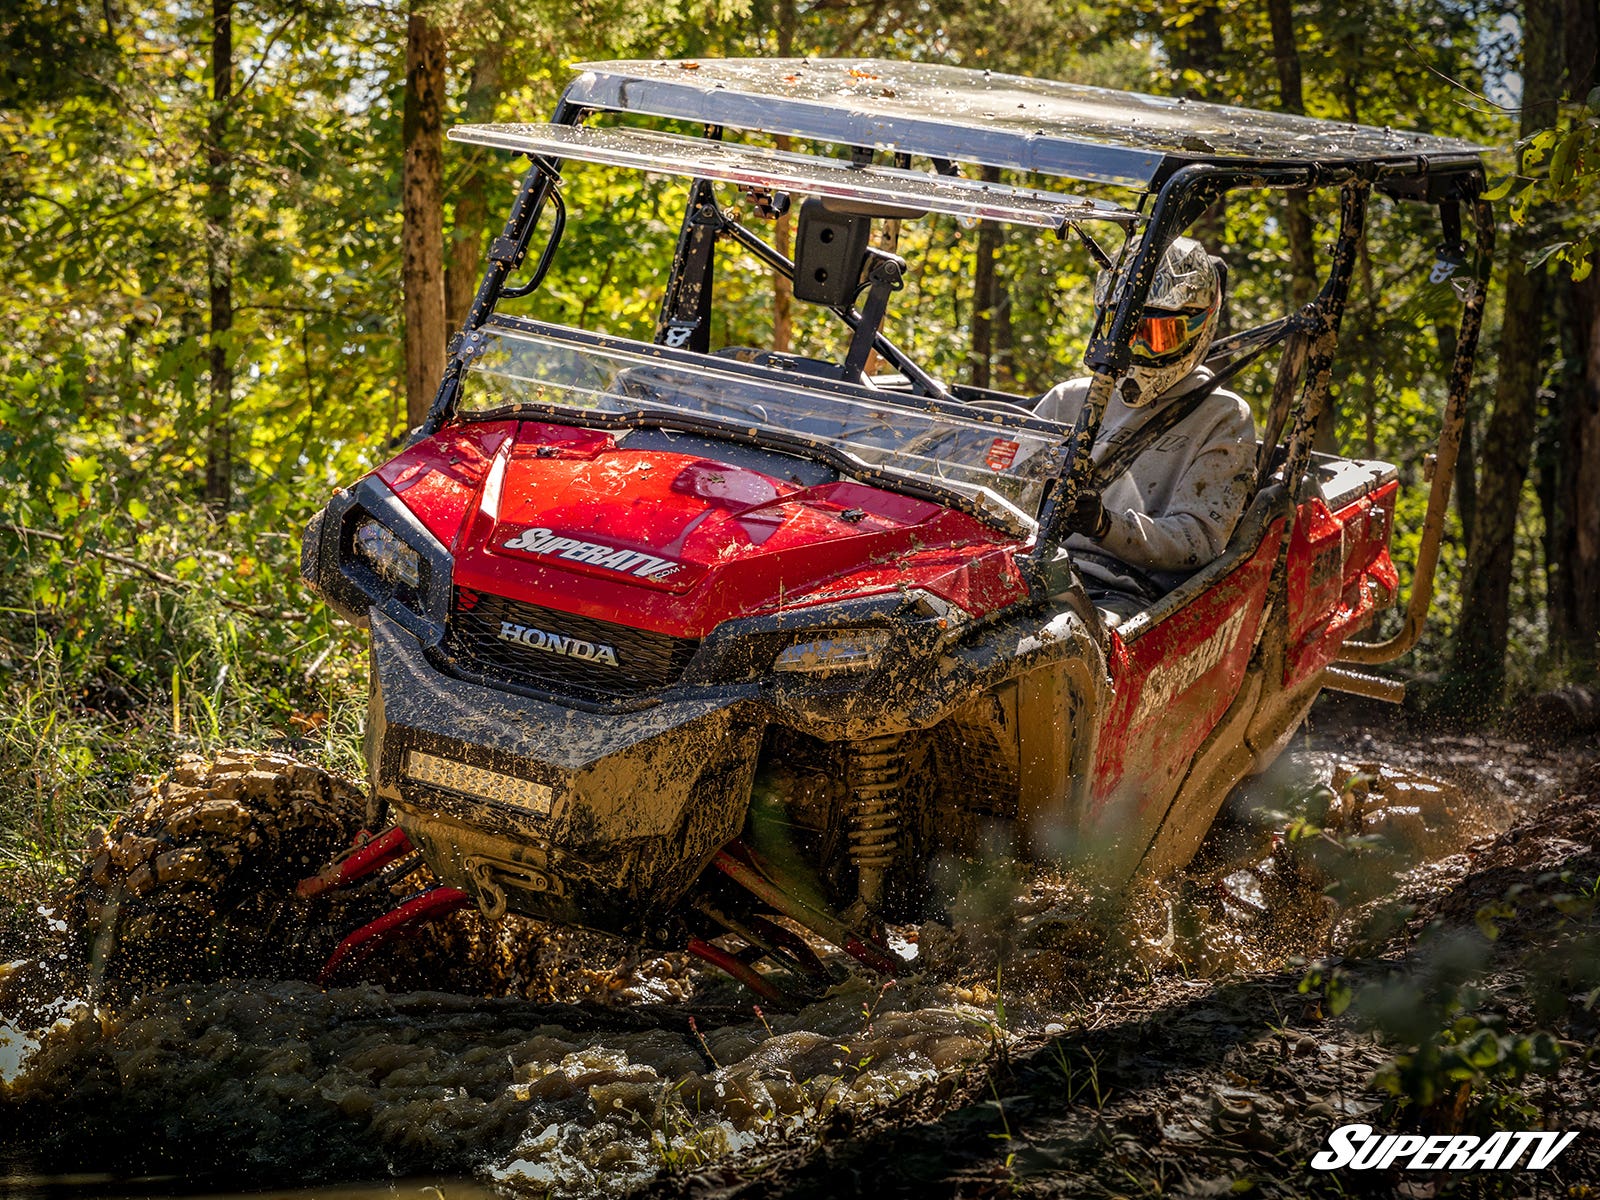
[(468, 780)]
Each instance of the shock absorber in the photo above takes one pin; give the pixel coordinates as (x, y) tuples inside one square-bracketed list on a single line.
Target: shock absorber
[(875, 768)]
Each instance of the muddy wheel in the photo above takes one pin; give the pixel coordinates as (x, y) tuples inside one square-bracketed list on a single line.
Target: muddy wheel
[(196, 882)]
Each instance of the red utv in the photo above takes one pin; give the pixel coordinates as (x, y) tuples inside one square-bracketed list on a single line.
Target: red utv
[(693, 643)]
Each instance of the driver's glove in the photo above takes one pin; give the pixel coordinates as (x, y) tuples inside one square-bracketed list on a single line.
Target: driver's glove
[(1090, 517)]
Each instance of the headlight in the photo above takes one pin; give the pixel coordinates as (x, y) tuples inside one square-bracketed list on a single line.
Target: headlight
[(391, 559), (857, 650)]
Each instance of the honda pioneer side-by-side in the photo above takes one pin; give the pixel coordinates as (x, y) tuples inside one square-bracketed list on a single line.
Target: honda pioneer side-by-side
[(702, 644)]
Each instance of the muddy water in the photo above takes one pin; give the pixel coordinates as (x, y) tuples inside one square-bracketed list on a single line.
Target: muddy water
[(242, 1081), (282, 1083)]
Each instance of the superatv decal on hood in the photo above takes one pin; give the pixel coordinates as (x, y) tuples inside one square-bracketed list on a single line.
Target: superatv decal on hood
[(596, 554)]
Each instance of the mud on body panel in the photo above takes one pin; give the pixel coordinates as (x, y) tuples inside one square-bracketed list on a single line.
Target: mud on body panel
[(1340, 576), (582, 817)]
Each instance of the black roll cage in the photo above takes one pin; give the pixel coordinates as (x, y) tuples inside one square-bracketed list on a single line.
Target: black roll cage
[(1188, 185)]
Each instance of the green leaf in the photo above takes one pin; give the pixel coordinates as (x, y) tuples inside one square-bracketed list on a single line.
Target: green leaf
[(1501, 188), (1564, 159), (1544, 1051), (1544, 253), (83, 470), (1482, 1050)]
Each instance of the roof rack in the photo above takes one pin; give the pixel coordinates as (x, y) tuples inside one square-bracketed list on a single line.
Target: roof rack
[(956, 113)]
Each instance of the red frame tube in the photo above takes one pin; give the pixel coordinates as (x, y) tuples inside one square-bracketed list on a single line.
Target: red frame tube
[(430, 905), (739, 863), (372, 855), (742, 971)]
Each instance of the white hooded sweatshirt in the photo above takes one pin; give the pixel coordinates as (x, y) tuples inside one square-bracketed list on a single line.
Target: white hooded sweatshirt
[(1174, 509)]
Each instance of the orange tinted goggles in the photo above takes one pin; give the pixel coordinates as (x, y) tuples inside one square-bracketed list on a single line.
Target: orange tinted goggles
[(1157, 336)]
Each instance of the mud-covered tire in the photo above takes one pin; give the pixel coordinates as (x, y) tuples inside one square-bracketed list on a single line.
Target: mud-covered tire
[(196, 882)]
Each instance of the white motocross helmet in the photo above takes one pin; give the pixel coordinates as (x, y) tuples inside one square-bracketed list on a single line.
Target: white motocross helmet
[(1179, 320)]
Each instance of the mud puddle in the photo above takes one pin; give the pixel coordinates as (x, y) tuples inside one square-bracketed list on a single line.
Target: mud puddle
[(248, 1084), (252, 1081)]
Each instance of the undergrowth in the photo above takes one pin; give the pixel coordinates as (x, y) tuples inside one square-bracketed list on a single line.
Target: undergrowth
[(134, 637), (1477, 1028)]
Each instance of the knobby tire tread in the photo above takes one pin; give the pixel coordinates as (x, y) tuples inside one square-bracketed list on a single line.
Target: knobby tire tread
[(196, 881)]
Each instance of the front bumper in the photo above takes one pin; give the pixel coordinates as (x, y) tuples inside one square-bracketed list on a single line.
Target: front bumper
[(600, 820)]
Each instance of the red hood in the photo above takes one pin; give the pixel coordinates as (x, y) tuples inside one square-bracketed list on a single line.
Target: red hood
[(652, 538)]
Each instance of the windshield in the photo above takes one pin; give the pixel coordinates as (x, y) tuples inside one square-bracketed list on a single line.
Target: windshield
[(998, 460)]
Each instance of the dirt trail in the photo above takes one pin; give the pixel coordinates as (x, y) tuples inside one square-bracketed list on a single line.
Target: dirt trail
[(1203, 1088), (1019, 1062)]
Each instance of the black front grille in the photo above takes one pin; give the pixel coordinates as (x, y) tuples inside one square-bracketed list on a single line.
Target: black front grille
[(508, 641)]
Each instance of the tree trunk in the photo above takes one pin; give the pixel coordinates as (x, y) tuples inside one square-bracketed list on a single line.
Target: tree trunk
[(783, 230), (219, 265), (1297, 209), (1476, 682), (469, 233), (1198, 47), (782, 289), (1574, 514), (1004, 373), (422, 229), (1467, 481), (1297, 204), (985, 295), (1574, 586), (1466, 486)]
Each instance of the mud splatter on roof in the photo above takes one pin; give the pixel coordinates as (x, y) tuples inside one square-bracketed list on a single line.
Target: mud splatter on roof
[(1041, 125)]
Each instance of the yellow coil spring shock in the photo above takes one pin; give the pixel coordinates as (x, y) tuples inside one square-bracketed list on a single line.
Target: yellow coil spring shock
[(876, 771)]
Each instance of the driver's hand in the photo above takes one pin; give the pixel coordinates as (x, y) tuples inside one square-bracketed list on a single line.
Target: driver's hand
[(1090, 517)]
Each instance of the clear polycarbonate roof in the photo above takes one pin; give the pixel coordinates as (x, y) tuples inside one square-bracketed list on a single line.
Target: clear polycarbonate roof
[(758, 167), (1040, 125)]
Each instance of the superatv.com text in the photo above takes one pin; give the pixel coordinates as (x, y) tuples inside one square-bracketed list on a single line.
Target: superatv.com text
[(1361, 1148)]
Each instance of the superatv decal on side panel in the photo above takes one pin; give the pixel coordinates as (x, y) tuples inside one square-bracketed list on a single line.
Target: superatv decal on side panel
[(1168, 681), (596, 554)]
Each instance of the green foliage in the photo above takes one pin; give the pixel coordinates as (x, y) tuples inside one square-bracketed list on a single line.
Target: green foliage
[(1458, 1061), (1331, 984), (1556, 185), (1469, 1018), (1470, 1052), (109, 673), (1461, 1057)]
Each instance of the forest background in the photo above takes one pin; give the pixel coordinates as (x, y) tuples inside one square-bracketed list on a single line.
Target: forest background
[(235, 243)]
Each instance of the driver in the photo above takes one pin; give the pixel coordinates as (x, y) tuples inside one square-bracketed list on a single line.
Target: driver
[(1173, 509)]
